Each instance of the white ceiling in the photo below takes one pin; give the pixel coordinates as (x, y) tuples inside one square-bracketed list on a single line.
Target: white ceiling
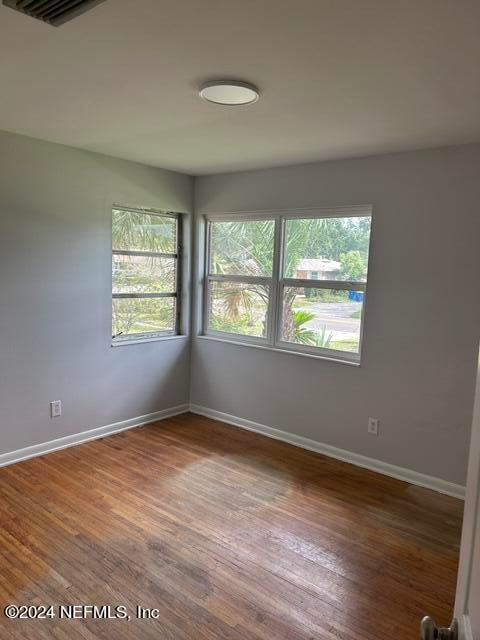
[(338, 78)]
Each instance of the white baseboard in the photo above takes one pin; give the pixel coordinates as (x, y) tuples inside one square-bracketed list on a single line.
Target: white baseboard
[(385, 468), (413, 477), (92, 434)]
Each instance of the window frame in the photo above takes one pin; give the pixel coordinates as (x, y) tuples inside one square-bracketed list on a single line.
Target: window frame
[(119, 339), (213, 277), (273, 339)]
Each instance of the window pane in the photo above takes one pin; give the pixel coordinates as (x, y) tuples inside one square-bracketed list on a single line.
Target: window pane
[(239, 308), (143, 315), (143, 274), (143, 232), (242, 248), (324, 318), (327, 248)]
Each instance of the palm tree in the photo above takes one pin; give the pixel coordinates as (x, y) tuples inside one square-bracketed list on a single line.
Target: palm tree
[(300, 333), (144, 231), (247, 249), (323, 339), (149, 233)]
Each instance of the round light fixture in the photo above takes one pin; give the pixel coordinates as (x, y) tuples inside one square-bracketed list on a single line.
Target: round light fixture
[(229, 92)]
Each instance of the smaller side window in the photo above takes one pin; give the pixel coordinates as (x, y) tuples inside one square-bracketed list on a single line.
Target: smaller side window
[(145, 274)]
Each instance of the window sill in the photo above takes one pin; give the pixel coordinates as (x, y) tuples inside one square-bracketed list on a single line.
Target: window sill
[(290, 352), (124, 343)]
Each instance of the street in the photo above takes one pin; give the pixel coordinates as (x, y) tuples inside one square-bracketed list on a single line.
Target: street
[(334, 317)]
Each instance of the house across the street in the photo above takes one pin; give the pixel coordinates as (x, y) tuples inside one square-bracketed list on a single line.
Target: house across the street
[(318, 269)]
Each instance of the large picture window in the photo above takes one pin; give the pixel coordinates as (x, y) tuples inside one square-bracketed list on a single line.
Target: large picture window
[(291, 281), (145, 274)]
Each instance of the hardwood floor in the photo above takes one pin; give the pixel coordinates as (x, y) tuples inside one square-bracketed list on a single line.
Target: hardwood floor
[(231, 535)]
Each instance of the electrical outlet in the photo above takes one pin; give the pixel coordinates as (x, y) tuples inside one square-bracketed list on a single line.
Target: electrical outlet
[(373, 426), (55, 408)]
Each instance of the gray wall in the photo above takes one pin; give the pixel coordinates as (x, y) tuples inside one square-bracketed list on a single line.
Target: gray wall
[(422, 313), (55, 290)]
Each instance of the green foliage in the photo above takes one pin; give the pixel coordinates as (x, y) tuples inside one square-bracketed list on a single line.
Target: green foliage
[(300, 333), (238, 308), (237, 300), (141, 315), (246, 248), (322, 295), (143, 232), (353, 265), (239, 325), (325, 238), (303, 335), (344, 235), (324, 339), (302, 236), (351, 346), (134, 274)]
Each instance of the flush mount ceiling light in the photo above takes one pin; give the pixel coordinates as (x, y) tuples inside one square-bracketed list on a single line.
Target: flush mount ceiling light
[(229, 92)]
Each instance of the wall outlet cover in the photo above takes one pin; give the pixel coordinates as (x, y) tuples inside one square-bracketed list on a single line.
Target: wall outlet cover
[(56, 408), (373, 426)]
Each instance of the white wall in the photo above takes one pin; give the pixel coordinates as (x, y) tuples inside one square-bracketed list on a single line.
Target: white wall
[(55, 291), (422, 313)]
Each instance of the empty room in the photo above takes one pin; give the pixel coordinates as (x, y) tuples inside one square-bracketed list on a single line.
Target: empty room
[(239, 320)]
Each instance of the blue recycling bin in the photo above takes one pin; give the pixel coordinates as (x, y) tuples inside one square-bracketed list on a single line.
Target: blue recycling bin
[(355, 296)]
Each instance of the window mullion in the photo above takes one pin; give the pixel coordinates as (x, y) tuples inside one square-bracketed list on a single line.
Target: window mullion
[(324, 284), (178, 273), (217, 277), (145, 254), (146, 211), (167, 294), (206, 282), (276, 294)]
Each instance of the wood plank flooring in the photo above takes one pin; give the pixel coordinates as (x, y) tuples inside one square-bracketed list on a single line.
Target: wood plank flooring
[(230, 535)]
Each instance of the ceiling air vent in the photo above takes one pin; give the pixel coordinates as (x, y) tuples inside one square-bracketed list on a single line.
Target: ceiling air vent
[(54, 12)]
